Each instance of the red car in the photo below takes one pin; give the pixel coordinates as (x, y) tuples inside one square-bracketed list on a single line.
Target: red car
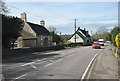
[(96, 45)]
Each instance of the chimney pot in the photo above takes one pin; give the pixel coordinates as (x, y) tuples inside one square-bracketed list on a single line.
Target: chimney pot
[(42, 22), (84, 29), (24, 16)]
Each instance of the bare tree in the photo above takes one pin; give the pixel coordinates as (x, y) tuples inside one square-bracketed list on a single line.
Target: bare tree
[(3, 7), (102, 30), (52, 29)]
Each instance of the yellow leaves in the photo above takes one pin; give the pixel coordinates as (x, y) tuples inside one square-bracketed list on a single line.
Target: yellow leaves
[(117, 39)]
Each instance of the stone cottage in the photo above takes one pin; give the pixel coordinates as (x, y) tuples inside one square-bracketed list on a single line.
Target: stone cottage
[(82, 36), (34, 35)]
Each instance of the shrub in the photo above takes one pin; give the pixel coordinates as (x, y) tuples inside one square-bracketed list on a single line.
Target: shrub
[(117, 39), (114, 32)]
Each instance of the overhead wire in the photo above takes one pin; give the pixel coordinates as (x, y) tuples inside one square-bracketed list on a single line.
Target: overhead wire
[(24, 11)]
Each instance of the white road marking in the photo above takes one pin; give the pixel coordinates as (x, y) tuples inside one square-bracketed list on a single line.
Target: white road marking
[(48, 64), (70, 55), (52, 63), (59, 60), (33, 62), (28, 64), (51, 60), (84, 74), (19, 77), (44, 59), (33, 66), (1, 77)]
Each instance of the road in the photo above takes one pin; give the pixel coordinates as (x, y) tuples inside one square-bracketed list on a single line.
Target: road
[(63, 64)]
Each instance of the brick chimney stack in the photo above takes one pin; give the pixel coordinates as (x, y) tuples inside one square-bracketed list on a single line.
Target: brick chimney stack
[(24, 16), (42, 22), (87, 32)]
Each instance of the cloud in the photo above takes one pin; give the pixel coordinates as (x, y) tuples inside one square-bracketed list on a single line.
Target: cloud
[(62, 15), (102, 22)]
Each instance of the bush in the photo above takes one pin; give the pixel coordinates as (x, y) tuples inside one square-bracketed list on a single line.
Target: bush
[(114, 32), (117, 39)]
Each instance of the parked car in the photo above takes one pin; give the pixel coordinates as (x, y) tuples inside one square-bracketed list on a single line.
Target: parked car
[(96, 45)]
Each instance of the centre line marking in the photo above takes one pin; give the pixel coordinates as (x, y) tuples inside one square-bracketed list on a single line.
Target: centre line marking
[(19, 77), (33, 66), (48, 64), (60, 60), (53, 63), (33, 62)]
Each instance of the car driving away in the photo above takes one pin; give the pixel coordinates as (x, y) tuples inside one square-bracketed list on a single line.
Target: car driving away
[(96, 45)]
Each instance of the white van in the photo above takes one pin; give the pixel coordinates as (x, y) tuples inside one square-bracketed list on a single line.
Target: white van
[(101, 42)]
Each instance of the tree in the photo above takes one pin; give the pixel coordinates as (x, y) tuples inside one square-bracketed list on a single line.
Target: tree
[(107, 37), (117, 39), (11, 27), (3, 8), (55, 38), (102, 30), (101, 33), (114, 32)]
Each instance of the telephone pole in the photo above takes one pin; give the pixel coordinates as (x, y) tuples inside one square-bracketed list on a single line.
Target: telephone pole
[(75, 30)]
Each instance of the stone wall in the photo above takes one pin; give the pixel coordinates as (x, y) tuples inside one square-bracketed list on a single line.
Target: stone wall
[(41, 42)]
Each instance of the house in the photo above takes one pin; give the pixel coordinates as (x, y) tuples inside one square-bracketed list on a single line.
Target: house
[(65, 38), (34, 35), (82, 36)]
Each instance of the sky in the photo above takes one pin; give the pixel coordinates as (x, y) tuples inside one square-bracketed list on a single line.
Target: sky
[(61, 15)]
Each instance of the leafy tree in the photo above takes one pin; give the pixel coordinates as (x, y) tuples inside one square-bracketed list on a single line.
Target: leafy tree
[(56, 38), (107, 37), (114, 32), (117, 39), (11, 27)]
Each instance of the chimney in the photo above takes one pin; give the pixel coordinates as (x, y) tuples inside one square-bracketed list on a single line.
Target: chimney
[(84, 29), (24, 16), (87, 32), (78, 28), (42, 22)]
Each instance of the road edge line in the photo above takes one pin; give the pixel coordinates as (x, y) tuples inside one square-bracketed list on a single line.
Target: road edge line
[(85, 72)]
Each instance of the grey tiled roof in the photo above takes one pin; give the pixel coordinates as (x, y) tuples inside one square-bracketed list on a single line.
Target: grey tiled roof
[(84, 32), (39, 29)]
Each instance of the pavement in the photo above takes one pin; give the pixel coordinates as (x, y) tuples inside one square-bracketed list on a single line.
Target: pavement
[(105, 66)]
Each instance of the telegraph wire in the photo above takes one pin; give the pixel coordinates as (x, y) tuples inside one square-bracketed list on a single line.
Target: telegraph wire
[(24, 11)]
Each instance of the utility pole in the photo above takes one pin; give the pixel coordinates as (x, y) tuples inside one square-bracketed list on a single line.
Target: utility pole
[(75, 30)]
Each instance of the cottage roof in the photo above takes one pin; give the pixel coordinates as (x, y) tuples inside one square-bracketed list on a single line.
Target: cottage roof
[(84, 32), (80, 34), (39, 29), (65, 37)]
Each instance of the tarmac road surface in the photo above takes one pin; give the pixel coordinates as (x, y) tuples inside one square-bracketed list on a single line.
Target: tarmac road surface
[(63, 64)]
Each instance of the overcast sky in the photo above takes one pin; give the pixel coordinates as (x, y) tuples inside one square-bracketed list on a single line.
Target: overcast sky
[(90, 15)]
